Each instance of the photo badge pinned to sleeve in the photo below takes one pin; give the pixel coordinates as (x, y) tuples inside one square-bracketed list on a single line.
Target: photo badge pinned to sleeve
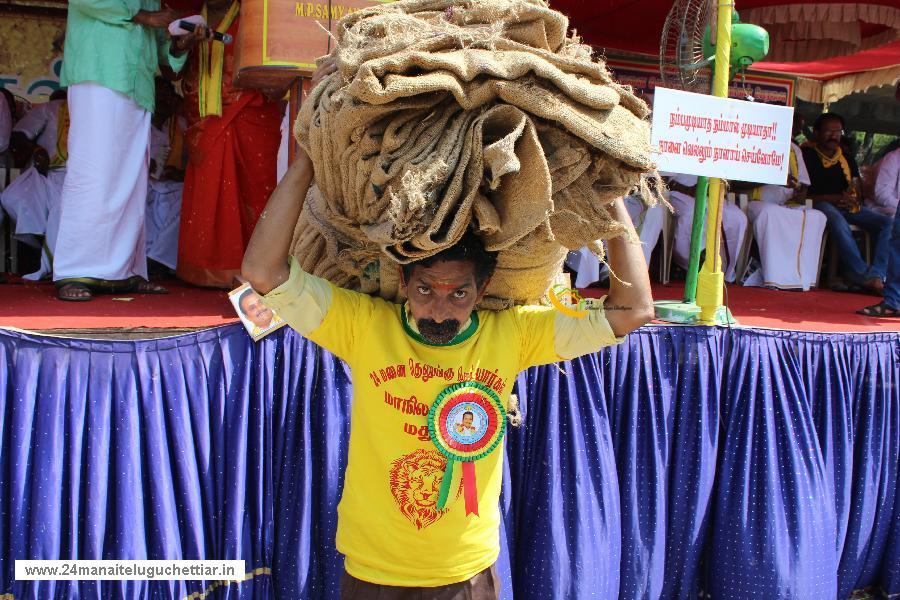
[(466, 423), (259, 320)]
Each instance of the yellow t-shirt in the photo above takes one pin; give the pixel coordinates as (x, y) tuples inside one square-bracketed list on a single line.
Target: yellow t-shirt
[(389, 528)]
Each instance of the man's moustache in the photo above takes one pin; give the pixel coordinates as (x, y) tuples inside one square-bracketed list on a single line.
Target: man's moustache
[(438, 332)]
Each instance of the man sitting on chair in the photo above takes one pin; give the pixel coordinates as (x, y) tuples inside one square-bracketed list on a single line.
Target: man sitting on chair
[(835, 190), (734, 224), (649, 222), (32, 199), (34, 135), (788, 234)]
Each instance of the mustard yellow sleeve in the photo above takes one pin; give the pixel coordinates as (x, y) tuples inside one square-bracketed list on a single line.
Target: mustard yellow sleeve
[(536, 326), (303, 300), (322, 312), (549, 336), (577, 336)]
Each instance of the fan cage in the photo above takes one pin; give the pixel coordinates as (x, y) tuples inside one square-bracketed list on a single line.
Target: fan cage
[(681, 61)]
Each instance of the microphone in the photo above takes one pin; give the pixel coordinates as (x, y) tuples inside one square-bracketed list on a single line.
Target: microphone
[(221, 37)]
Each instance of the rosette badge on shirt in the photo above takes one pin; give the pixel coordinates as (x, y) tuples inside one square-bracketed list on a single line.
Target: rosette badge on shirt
[(466, 423)]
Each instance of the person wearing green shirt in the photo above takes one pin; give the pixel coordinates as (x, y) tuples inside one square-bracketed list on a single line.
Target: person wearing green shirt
[(112, 51)]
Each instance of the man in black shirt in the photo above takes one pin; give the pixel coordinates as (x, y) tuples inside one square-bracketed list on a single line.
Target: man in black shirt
[(836, 192)]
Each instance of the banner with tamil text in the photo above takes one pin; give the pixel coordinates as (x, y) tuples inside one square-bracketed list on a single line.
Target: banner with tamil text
[(718, 137), (644, 77)]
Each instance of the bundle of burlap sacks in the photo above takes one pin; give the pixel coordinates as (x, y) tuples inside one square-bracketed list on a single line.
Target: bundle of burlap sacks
[(453, 114)]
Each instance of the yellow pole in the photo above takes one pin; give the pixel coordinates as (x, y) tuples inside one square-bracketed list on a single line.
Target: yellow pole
[(711, 280)]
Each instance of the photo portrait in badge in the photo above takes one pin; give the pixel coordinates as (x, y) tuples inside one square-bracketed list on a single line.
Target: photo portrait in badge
[(467, 423), (258, 319)]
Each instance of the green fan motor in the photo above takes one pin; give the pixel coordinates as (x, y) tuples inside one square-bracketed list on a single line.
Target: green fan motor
[(749, 44)]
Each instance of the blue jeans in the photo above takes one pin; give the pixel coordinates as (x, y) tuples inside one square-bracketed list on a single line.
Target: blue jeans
[(892, 282), (878, 226)]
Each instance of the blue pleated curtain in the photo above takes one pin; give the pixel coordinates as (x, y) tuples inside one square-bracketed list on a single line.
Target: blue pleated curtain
[(741, 463)]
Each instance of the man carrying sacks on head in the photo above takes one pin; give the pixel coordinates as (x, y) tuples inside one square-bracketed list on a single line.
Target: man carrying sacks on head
[(419, 516)]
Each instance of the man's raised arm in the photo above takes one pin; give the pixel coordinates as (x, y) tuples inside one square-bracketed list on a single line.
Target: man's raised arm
[(265, 263), (301, 299), (627, 307)]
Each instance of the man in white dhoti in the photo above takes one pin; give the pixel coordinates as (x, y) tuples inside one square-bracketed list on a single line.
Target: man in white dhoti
[(112, 50), (32, 201), (788, 234), (734, 223), (166, 178)]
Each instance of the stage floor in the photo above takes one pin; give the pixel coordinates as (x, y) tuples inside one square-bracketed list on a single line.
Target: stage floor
[(33, 306)]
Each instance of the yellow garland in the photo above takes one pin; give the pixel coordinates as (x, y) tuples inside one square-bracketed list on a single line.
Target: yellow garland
[(837, 158), (794, 167), (61, 154), (210, 92)]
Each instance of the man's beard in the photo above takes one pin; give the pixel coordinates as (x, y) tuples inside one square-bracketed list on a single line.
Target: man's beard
[(438, 333)]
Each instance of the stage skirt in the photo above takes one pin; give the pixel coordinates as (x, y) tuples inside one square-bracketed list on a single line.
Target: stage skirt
[(741, 463)]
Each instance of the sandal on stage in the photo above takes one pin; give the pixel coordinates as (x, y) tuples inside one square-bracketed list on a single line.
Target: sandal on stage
[(82, 289), (880, 311), (74, 291)]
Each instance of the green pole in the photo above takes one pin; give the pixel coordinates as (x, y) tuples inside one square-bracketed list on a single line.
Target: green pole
[(690, 284)]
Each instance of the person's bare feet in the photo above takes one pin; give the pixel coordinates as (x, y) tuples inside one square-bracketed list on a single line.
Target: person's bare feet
[(74, 292)]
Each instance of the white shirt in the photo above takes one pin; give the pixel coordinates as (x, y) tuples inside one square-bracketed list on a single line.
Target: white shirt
[(40, 123), (887, 185), (5, 123)]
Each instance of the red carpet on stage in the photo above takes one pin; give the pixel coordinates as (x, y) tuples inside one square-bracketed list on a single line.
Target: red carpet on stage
[(33, 306), (816, 310)]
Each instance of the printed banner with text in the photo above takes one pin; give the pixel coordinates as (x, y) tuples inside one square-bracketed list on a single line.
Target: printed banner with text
[(644, 78), (717, 137)]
